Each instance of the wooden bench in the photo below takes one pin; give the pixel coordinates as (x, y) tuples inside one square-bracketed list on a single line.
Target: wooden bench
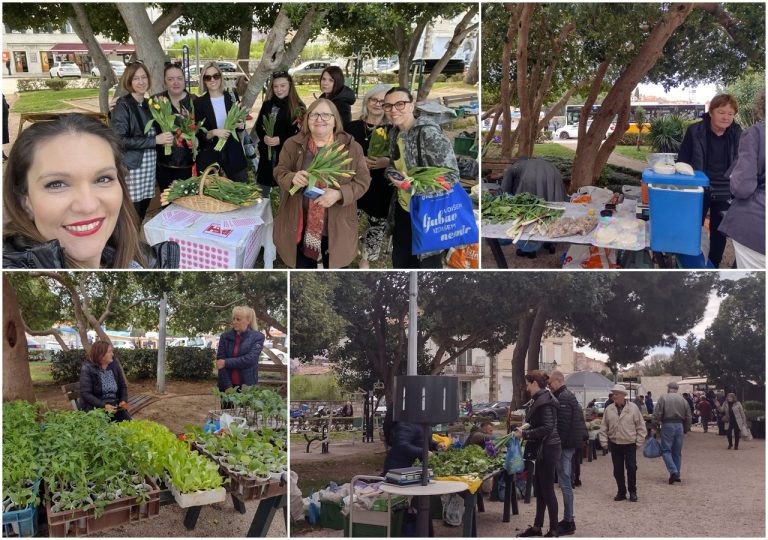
[(135, 402), (280, 385), (461, 99), (49, 117)]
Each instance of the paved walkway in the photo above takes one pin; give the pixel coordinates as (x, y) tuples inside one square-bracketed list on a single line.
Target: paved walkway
[(613, 159)]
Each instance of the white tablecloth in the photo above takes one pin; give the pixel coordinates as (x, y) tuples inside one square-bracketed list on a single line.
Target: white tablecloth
[(229, 240)]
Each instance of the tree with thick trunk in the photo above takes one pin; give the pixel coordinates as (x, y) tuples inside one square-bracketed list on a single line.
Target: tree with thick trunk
[(17, 380), (144, 36), (84, 31)]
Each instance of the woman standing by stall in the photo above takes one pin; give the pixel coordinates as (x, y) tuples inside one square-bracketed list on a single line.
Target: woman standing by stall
[(413, 142), (376, 201), (333, 88), (212, 108), (282, 109), (543, 442), (237, 357), (129, 117), (308, 229), (712, 146), (177, 165)]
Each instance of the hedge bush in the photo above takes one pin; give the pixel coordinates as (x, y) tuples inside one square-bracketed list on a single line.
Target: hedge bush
[(138, 363), (751, 405), (190, 363), (65, 365), (31, 85), (56, 84)]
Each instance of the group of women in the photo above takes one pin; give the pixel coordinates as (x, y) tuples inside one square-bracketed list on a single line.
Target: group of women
[(96, 183)]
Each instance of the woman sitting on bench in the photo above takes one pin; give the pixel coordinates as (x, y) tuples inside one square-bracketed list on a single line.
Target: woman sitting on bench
[(102, 383)]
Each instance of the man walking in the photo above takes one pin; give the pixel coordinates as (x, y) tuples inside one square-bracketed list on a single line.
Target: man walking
[(705, 412), (649, 403), (572, 430), (623, 431), (674, 416)]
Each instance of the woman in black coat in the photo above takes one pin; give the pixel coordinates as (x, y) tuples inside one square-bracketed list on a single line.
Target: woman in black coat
[(542, 417), (286, 106), (333, 88), (237, 357), (102, 383), (212, 108)]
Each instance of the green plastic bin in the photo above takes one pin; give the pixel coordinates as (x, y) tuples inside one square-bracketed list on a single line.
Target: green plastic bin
[(362, 530), (463, 145), (331, 516)]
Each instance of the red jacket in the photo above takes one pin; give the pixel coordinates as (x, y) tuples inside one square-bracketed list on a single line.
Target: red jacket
[(705, 409)]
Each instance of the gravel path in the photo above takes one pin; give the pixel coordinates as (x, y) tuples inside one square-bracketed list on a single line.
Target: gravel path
[(722, 495)]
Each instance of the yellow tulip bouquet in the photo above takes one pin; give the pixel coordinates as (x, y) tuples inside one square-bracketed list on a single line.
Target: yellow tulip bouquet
[(163, 115)]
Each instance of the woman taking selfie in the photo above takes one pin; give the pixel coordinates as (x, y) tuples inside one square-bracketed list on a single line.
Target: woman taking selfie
[(66, 204), (325, 227)]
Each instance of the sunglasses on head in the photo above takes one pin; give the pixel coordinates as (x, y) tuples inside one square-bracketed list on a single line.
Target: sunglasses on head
[(279, 74), (212, 77)]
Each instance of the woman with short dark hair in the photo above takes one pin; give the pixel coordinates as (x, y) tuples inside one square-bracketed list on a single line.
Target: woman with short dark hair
[(102, 383), (542, 444)]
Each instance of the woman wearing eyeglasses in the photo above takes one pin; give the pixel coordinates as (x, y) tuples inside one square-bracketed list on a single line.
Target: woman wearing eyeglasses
[(333, 88), (284, 104), (178, 165), (413, 142), (212, 108), (129, 117), (325, 227), (376, 201)]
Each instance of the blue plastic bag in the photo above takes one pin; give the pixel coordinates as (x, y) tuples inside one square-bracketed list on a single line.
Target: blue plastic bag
[(513, 462), (652, 448), (442, 220)]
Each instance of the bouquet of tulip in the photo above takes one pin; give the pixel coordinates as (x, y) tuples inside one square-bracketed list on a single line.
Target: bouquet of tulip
[(235, 115), (327, 166), (186, 134), (163, 115), (379, 145), (423, 180), (269, 129)]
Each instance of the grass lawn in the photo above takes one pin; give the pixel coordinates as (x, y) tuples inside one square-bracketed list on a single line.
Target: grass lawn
[(553, 149), (41, 372), (50, 100), (632, 152)]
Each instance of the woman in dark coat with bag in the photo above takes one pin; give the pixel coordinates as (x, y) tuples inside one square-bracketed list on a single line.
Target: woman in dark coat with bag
[(237, 357), (543, 442), (102, 383)]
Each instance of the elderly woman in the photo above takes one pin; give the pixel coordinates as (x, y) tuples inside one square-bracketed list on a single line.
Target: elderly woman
[(237, 357), (212, 109), (734, 420), (307, 229), (543, 442), (66, 202), (712, 146), (376, 201), (129, 117), (413, 142), (102, 383), (745, 221)]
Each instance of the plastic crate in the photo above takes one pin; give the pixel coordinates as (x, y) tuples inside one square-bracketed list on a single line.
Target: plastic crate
[(119, 512), (463, 145), (21, 523), (362, 530), (331, 516)]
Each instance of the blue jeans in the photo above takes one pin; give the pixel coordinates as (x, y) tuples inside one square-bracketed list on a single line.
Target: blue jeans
[(672, 446), (565, 482)]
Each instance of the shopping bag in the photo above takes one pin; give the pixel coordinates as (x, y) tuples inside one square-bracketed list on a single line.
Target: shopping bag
[(442, 220), (652, 448), (513, 462)]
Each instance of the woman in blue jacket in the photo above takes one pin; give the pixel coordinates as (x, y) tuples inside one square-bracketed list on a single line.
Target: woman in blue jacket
[(237, 358)]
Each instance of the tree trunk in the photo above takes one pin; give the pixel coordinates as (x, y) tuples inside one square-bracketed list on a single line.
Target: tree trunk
[(525, 146), (518, 360), (506, 84), (496, 111), (407, 41), (460, 32), (244, 47), (537, 332), (472, 75), (585, 165), (144, 36), (17, 380), (84, 31), (276, 54)]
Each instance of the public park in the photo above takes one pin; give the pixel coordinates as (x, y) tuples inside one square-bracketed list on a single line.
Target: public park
[(380, 360), (600, 129), (208, 179), (119, 415)]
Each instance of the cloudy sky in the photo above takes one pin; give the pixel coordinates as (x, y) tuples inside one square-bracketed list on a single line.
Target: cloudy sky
[(697, 94), (709, 315)]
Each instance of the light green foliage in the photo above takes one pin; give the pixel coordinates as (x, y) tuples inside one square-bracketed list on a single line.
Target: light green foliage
[(315, 387), (745, 89), (470, 460), (21, 438)]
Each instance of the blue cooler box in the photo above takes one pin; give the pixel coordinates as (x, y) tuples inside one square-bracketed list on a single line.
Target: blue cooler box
[(676, 204)]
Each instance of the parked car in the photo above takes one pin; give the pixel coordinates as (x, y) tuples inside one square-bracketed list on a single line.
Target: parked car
[(117, 66), (198, 342), (381, 410), (65, 69), (571, 131), (310, 68), (265, 359), (495, 410), (227, 67)]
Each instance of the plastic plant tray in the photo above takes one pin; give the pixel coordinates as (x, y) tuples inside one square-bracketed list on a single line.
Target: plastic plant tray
[(198, 498)]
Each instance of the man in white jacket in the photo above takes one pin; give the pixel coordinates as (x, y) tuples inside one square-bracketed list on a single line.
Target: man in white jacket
[(623, 431)]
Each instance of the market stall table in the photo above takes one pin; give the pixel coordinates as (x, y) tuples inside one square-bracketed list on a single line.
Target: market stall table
[(621, 231), (229, 240), (435, 487)]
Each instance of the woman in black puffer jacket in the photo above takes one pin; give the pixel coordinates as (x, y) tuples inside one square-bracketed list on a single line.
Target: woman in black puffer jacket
[(542, 417)]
